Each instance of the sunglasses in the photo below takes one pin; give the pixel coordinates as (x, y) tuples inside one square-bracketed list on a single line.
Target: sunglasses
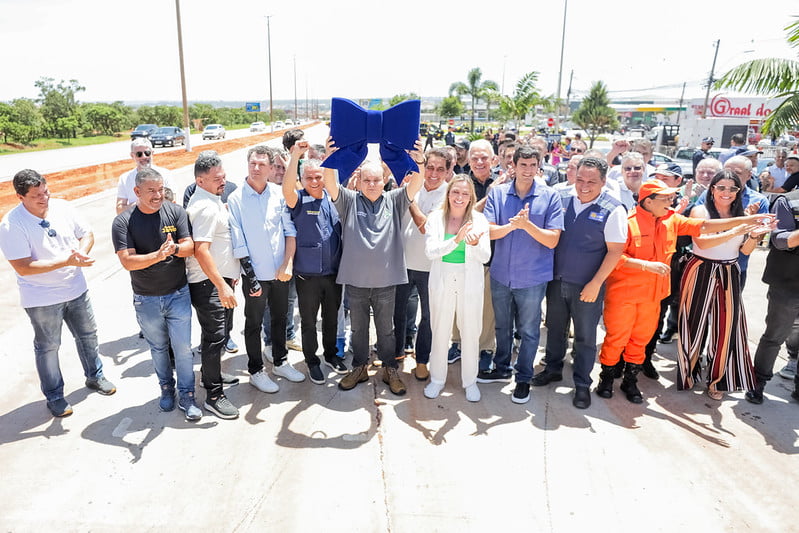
[(148, 153), (50, 231), (723, 188), (577, 150), (635, 168)]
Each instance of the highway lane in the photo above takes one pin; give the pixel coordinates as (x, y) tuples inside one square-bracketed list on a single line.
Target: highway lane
[(46, 161)]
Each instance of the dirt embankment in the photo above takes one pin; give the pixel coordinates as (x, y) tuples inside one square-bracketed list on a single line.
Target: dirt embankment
[(80, 182)]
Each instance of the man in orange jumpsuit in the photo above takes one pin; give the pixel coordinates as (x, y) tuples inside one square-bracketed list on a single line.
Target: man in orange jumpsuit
[(641, 280)]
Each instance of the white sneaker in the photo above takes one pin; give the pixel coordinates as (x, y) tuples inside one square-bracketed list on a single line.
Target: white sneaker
[(289, 372), (433, 389), (473, 393), (789, 370), (261, 381)]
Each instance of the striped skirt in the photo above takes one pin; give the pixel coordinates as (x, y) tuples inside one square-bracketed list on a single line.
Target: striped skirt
[(710, 301)]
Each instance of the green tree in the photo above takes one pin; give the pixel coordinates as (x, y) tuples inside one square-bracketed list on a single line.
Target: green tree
[(524, 99), (59, 106), (107, 119), (777, 77), (205, 113), (396, 99), (20, 121), (595, 114), (475, 87), (451, 107)]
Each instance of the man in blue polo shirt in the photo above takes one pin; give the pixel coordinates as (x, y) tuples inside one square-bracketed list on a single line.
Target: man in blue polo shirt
[(316, 259), (525, 219)]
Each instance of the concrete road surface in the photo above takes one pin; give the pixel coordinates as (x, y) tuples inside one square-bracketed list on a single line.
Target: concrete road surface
[(314, 458)]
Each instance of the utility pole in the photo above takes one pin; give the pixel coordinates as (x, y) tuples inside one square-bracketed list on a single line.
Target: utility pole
[(679, 110), (295, 88), (560, 70), (186, 123), (710, 80), (269, 59)]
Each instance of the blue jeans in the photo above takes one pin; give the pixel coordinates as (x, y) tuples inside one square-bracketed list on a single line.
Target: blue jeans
[(424, 337), (563, 306), (46, 322), (528, 305), (166, 320)]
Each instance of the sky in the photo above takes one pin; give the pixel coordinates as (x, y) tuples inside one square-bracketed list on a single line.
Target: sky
[(361, 49)]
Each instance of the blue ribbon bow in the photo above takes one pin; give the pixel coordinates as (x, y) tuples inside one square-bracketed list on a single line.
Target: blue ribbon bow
[(353, 127)]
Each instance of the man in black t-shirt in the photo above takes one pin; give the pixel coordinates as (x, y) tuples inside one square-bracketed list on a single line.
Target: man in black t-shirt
[(792, 169), (151, 241)]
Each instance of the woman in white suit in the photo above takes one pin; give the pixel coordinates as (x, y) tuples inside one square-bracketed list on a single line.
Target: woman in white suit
[(458, 245)]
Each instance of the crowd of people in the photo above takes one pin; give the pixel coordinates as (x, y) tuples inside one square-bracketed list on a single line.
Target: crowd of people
[(455, 261)]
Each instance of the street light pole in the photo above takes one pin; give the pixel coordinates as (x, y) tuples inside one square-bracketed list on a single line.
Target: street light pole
[(560, 70), (710, 80), (295, 89), (269, 59), (186, 124)]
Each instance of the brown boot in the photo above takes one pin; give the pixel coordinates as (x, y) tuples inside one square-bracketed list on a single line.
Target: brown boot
[(357, 375), (420, 372), (391, 377)]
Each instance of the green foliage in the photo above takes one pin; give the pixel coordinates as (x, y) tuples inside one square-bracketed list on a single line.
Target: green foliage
[(451, 107), (524, 99), (474, 87), (106, 119), (20, 121), (595, 114), (59, 107), (396, 99), (776, 77)]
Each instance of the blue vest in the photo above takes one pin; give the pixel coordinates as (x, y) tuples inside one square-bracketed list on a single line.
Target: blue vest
[(582, 248), (318, 236)]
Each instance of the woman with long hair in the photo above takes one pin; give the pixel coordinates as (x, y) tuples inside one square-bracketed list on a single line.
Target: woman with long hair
[(710, 296), (458, 245)]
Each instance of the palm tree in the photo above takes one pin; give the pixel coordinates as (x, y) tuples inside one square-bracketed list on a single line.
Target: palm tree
[(474, 87), (525, 97), (595, 114), (776, 77)]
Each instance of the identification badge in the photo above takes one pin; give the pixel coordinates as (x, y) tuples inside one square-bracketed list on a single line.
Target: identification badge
[(597, 216)]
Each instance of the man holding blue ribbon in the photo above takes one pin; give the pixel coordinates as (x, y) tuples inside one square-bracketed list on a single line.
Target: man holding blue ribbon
[(373, 262)]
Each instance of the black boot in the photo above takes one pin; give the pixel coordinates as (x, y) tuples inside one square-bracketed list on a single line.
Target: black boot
[(605, 386), (795, 393), (648, 368), (756, 395), (630, 383), (618, 368)]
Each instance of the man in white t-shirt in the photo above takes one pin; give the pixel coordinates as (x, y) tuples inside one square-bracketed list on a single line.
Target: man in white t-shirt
[(141, 151), (47, 244), (211, 273), (438, 163)]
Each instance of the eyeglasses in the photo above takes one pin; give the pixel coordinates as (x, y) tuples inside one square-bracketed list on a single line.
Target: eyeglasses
[(577, 150), (635, 168), (723, 188), (50, 231), (148, 153)]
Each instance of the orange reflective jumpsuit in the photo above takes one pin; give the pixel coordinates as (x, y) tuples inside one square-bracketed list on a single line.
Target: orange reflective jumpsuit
[(632, 296)]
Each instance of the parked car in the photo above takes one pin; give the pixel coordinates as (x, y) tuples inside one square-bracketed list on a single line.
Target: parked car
[(258, 126), (289, 123), (214, 131), (168, 136), (684, 158), (143, 130), (279, 125)]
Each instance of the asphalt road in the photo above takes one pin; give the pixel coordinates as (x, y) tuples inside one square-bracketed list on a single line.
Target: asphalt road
[(47, 161)]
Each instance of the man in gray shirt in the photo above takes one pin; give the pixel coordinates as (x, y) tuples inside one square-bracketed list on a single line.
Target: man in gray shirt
[(373, 262)]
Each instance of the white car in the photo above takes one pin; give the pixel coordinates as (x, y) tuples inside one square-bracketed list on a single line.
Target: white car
[(258, 126), (214, 131), (289, 122), (279, 125)]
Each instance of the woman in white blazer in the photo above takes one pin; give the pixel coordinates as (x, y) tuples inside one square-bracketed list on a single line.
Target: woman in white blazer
[(458, 245)]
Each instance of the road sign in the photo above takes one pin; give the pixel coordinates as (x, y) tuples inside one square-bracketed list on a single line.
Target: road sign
[(451, 122), (550, 122), (253, 107)]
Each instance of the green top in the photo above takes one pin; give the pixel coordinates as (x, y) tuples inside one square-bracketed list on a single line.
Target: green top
[(458, 255)]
